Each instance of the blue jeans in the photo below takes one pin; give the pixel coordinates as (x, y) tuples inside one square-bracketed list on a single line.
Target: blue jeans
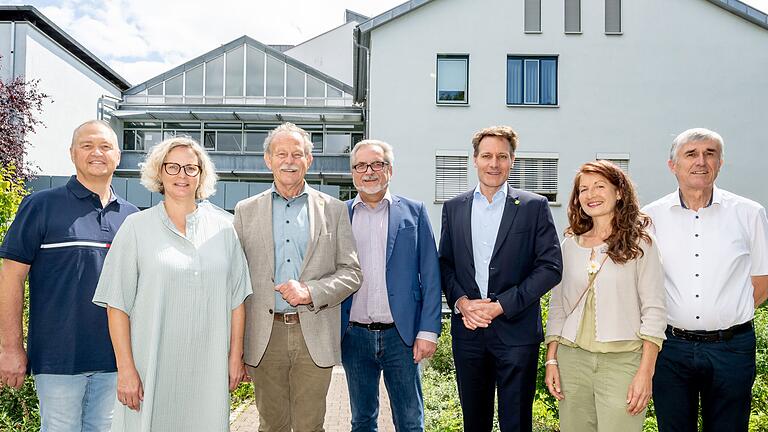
[(721, 373), (76, 403), (365, 355)]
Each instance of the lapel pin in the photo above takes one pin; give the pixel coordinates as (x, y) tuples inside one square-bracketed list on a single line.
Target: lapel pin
[(517, 202)]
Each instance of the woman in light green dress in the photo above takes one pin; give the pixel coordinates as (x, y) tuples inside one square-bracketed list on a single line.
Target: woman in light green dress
[(173, 283)]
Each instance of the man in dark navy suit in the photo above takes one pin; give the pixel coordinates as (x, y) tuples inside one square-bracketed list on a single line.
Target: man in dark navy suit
[(393, 321), (499, 253)]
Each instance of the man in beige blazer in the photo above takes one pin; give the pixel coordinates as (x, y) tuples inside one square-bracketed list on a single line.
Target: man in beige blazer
[(303, 264)]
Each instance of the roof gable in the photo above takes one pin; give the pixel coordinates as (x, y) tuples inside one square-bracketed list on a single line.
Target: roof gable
[(241, 41), (42, 23)]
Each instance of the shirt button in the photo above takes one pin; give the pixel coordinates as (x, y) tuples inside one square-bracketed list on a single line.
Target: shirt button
[(695, 235), (697, 317), (697, 217), (290, 222), (288, 241), (696, 255), (697, 296), (288, 205), (289, 260), (697, 275)]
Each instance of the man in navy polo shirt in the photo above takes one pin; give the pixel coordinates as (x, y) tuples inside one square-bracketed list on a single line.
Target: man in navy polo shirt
[(60, 238)]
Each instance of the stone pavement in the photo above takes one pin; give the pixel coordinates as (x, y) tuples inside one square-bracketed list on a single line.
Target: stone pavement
[(337, 416)]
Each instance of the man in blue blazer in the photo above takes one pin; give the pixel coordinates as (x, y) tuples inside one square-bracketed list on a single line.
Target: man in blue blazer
[(499, 253), (393, 321)]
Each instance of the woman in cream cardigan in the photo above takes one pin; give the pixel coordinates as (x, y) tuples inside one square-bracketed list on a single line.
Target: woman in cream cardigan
[(608, 315)]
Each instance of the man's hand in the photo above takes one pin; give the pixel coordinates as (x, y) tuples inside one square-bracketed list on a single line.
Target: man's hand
[(13, 367), (295, 293), (130, 391), (423, 349), (478, 313)]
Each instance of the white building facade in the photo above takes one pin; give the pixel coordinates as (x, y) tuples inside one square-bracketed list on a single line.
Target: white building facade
[(33, 47), (578, 80)]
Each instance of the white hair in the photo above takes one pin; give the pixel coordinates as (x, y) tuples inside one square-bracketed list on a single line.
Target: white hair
[(288, 128), (389, 154), (692, 135)]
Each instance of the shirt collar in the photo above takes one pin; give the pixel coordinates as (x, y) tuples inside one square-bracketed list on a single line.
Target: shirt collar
[(677, 198), (387, 198), (83, 192), (304, 191), (501, 193)]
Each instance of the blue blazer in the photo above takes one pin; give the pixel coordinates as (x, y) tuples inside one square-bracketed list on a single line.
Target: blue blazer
[(526, 263), (413, 271)]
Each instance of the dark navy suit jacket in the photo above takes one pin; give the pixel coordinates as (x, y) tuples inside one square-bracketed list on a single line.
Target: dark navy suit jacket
[(413, 271), (526, 263)]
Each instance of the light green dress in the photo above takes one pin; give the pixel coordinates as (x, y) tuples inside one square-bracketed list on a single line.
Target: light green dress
[(179, 292)]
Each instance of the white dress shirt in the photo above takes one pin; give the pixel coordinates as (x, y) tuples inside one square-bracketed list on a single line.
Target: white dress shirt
[(709, 257)]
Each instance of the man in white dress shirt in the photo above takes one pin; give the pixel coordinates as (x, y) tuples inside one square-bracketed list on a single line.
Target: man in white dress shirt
[(714, 247)]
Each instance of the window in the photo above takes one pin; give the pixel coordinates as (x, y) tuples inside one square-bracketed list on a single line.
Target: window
[(254, 83), (620, 159), (234, 75), (613, 16), (452, 79), (532, 16), (573, 16), (451, 169), (141, 136), (531, 80), (535, 172), (214, 77)]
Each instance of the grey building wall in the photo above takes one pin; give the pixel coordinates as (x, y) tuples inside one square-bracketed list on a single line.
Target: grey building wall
[(677, 65)]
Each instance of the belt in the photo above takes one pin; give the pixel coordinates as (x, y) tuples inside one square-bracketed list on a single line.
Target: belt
[(374, 326), (710, 335), (287, 318)]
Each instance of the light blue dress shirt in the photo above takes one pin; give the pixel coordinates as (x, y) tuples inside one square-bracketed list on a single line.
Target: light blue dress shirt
[(290, 232), (486, 218)]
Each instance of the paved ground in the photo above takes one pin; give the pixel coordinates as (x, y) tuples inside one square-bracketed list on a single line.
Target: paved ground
[(337, 416)]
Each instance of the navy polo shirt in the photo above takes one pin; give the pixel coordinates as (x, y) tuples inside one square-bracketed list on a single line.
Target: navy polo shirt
[(64, 234)]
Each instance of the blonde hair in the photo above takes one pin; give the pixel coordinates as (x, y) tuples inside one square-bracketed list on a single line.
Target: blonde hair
[(153, 164)]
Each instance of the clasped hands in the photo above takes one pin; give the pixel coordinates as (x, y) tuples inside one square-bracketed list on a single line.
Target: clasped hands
[(479, 312), (294, 292)]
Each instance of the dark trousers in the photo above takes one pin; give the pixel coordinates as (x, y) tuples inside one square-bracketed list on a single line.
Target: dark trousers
[(721, 373), (485, 364)]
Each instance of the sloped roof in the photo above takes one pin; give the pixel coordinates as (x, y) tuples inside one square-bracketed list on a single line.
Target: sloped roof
[(210, 55), (33, 16)]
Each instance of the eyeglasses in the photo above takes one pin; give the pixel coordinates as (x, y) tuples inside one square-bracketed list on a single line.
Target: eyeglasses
[(172, 168), (362, 167)]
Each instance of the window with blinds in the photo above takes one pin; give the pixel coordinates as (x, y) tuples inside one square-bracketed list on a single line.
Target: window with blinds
[(533, 16), (613, 16), (535, 173), (451, 169), (621, 160), (573, 16)]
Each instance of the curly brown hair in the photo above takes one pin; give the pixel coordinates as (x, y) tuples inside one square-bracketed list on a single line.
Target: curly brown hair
[(629, 225)]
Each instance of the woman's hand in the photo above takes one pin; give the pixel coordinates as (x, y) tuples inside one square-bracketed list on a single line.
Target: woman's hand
[(130, 392), (552, 379), (639, 393), (236, 372)]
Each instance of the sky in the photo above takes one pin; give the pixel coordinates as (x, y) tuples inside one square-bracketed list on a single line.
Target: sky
[(139, 39)]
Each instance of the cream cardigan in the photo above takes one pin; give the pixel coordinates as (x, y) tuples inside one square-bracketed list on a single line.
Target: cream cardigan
[(630, 298)]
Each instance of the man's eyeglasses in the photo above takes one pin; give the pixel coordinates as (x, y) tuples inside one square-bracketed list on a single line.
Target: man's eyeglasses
[(172, 168), (362, 167)]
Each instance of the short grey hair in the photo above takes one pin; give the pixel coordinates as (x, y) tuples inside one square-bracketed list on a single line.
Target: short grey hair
[(288, 128), (103, 123), (153, 164), (389, 154), (692, 135)]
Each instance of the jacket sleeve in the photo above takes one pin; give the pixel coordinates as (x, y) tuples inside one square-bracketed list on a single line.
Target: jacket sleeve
[(547, 267), (451, 287), (331, 290), (429, 272)]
